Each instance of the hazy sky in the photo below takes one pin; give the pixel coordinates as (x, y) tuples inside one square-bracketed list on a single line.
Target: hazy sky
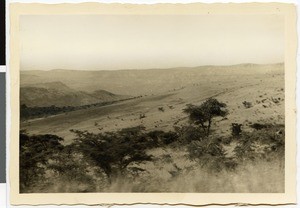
[(108, 42)]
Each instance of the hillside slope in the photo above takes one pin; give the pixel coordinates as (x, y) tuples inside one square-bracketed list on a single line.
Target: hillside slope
[(264, 90), (59, 94)]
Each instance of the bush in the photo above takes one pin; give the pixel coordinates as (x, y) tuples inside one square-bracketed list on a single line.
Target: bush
[(161, 109), (236, 129), (210, 153), (258, 126), (266, 144), (158, 138), (247, 104), (70, 168), (227, 140), (187, 134)]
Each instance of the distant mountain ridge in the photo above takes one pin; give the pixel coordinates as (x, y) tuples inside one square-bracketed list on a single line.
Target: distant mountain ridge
[(59, 94), (145, 81), (280, 64)]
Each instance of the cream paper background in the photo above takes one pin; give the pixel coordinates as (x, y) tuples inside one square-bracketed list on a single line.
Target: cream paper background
[(288, 10)]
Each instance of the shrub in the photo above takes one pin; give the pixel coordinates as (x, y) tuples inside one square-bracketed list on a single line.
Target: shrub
[(189, 133), (211, 154), (266, 144), (159, 138), (227, 140), (247, 104), (161, 109), (70, 168), (236, 129), (258, 126)]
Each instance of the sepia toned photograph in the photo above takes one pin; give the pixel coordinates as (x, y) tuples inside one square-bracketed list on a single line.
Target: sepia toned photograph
[(147, 103)]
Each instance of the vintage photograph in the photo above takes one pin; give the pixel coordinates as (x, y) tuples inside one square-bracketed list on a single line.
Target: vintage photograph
[(113, 103), (147, 103)]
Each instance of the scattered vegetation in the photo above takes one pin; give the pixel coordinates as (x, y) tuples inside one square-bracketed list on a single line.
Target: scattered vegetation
[(191, 158)]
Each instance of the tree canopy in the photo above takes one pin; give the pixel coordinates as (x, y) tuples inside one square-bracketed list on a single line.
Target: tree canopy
[(113, 151), (203, 114), (35, 153)]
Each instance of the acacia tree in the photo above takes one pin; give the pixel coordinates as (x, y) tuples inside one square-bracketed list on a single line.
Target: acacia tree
[(113, 151), (203, 114)]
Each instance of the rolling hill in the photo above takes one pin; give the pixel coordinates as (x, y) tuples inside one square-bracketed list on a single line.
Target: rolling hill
[(59, 94), (148, 81)]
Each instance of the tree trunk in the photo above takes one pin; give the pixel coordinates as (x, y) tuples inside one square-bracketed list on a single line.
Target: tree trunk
[(203, 127), (208, 127), (114, 175)]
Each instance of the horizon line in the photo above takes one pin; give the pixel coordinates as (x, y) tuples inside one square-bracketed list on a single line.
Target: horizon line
[(169, 68)]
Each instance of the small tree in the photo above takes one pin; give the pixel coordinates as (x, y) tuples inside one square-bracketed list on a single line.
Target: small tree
[(203, 114)]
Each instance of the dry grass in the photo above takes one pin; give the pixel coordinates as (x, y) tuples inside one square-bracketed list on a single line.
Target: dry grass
[(173, 172), (249, 177)]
